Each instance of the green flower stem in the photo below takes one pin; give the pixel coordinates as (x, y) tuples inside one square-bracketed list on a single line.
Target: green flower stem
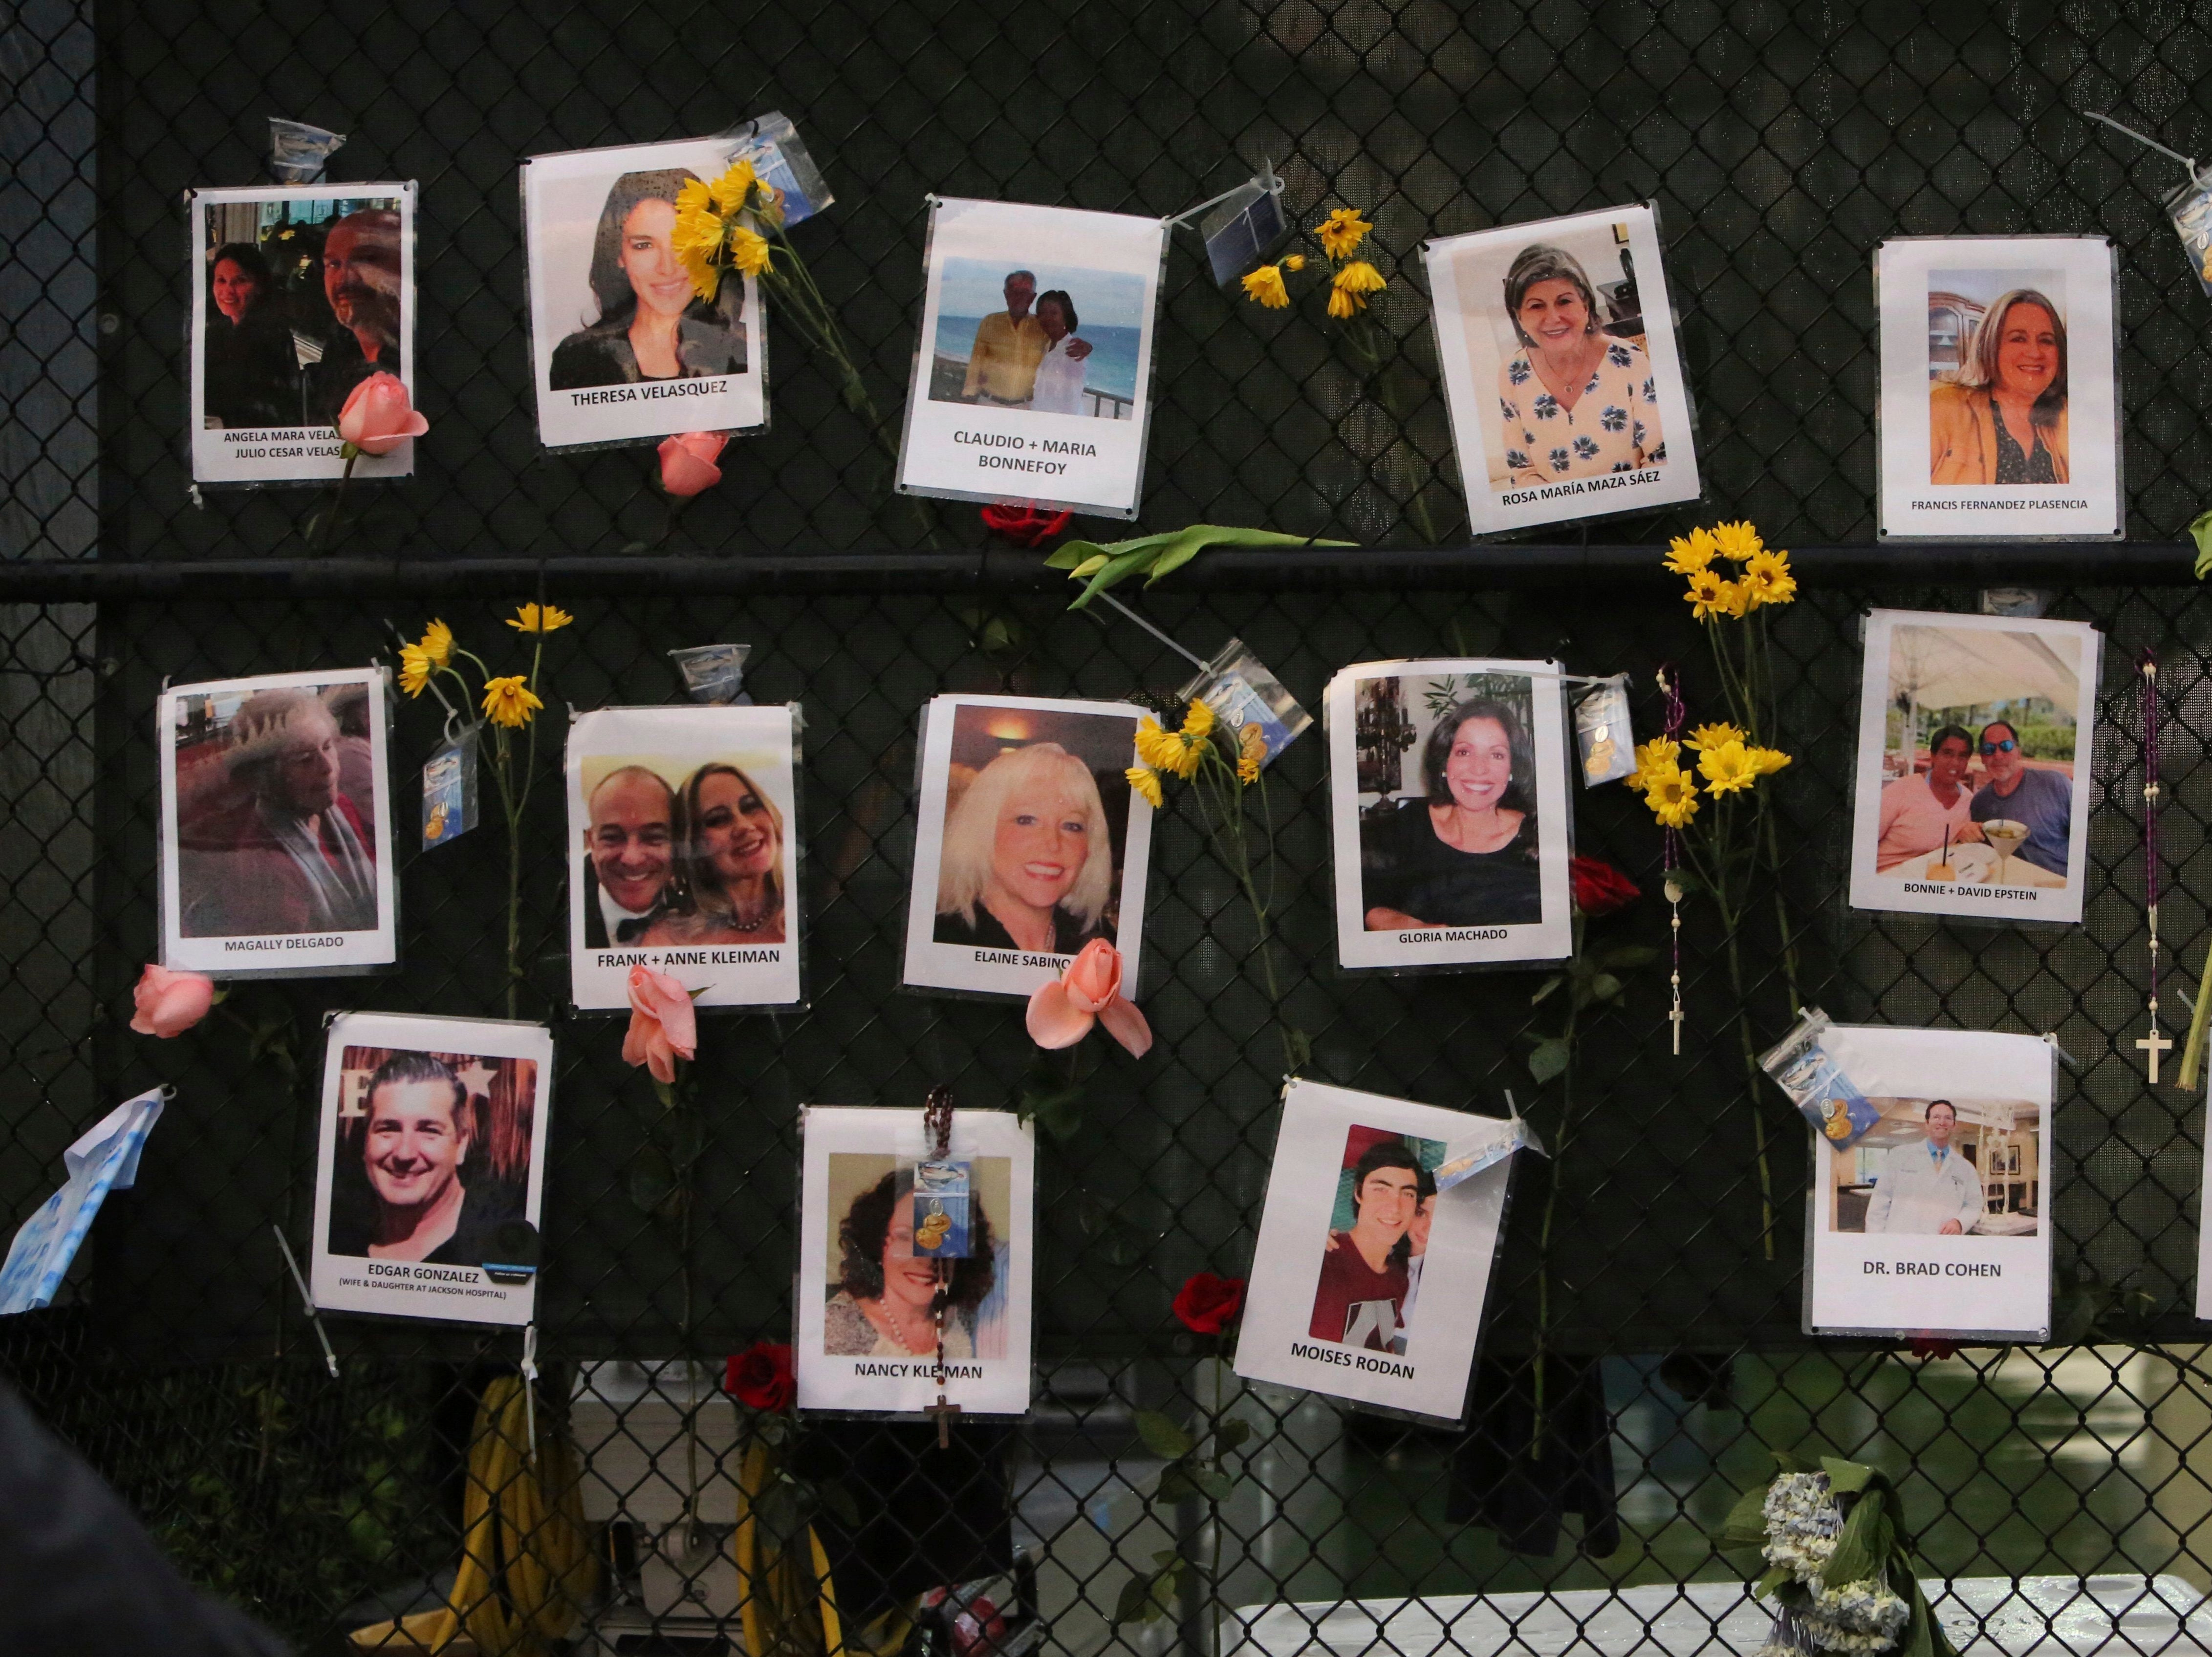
[(1552, 1195), (1221, 806), (331, 518)]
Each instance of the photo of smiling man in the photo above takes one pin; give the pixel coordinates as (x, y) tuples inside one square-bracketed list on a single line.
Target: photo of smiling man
[(630, 842), (1360, 1299), (429, 1173)]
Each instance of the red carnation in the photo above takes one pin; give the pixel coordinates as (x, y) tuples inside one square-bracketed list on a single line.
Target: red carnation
[(760, 1377), (1599, 888), (1208, 1304), (1024, 525)]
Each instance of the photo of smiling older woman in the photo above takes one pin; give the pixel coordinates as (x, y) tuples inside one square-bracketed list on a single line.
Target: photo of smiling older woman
[(1561, 369), (626, 346), (1447, 799), (681, 826), (1030, 842), (893, 1227), (430, 1170), (1997, 412)]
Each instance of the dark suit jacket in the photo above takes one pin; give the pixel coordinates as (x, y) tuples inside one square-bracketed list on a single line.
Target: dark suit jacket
[(595, 920)]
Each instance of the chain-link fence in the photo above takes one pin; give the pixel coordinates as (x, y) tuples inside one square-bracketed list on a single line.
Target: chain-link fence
[(1782, 145)]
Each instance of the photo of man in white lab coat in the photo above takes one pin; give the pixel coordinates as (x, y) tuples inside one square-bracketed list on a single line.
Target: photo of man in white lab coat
[(1929, 1188)]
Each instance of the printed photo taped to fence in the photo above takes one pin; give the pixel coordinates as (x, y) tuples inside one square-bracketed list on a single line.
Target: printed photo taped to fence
[(1935, 1222), (431, 1167), (1447, 810), (1033, 377), (683, 846), (1368, 1283), (1561, 369), (277, 848), (886, 1225), (299, 294), (1999, 416), (1029, 842), (1975, 771), (624, 347)]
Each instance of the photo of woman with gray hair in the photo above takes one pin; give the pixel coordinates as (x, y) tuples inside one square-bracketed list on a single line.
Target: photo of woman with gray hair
[(1027, 861), (1576, 400), (652, 325), (2000, 416)]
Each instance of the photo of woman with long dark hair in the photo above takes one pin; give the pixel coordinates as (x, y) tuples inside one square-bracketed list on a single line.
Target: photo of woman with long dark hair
[(250, 376), (729, 868), (2000, 416), (652, 325), (884, 1303), (1464, 853)]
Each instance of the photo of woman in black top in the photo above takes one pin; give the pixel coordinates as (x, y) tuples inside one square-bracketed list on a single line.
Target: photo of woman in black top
[(1029, 858), (1465, 854), (652, 323), (250, 376)]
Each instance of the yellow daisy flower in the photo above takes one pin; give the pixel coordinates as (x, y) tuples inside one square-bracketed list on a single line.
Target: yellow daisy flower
[(1341, 231), (438, 644), (1189, 757), (1156, 748), (1344, 303), (414, 669), (729, 191), (510, 702), (1707, 737), (1708, 594), (1736, 600), (528, 618), (1767, 760), (1728, 768), (1265, 287), (1146, 782), (1672, 796), (1691, 554), (1659, 751), (1294, 262), (1198, 721), (748, 249), (1359, 277), (1766, 576), (1737, 541)]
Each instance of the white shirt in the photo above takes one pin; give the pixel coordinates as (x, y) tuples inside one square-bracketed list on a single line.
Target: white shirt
[(1917, 1192), (1058, 382), (614, 914)]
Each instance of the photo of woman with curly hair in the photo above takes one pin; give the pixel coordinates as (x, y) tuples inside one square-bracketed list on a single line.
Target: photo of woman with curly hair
[(881, 1299)]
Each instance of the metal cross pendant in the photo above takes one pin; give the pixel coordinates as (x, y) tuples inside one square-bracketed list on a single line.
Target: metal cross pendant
[(2153, 1045), (1675, 1019), (945, 1413)]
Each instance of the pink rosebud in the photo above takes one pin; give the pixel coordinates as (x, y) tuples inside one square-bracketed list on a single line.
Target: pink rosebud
[(377, 417), (663, 1025), (168, 1004), (1089, 992), (687, 462)]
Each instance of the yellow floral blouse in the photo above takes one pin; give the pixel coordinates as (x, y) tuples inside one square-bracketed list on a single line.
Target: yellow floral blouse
[(1613, 427)]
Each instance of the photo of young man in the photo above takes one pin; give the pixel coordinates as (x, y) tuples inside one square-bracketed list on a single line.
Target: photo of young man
[(420, 1128), (1360, 1299)]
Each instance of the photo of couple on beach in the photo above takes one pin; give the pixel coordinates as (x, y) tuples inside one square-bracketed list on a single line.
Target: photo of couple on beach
[(1051, 339)]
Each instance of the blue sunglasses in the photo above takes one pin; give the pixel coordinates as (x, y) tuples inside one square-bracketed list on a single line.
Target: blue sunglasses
[(2004, 747)]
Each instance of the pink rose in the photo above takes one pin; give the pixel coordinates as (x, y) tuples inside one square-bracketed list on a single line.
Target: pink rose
[(662, 1026), (378, 418), (1089, 992), (168, 1004), (687, 462)]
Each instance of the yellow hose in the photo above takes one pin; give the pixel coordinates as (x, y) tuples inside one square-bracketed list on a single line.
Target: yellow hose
[(771, 1596)]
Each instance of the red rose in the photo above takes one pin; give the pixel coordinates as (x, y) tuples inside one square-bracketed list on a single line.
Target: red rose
[(1599, 888), (1025, 526), (1208, 1304), (760, 1377)]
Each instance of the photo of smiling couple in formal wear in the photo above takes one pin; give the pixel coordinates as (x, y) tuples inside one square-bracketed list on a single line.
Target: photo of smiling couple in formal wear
[(624, 345), (682, 837), (1029, 842)]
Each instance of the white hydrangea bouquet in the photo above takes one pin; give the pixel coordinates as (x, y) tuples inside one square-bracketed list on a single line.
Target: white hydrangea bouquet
[(1839, 1573)]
